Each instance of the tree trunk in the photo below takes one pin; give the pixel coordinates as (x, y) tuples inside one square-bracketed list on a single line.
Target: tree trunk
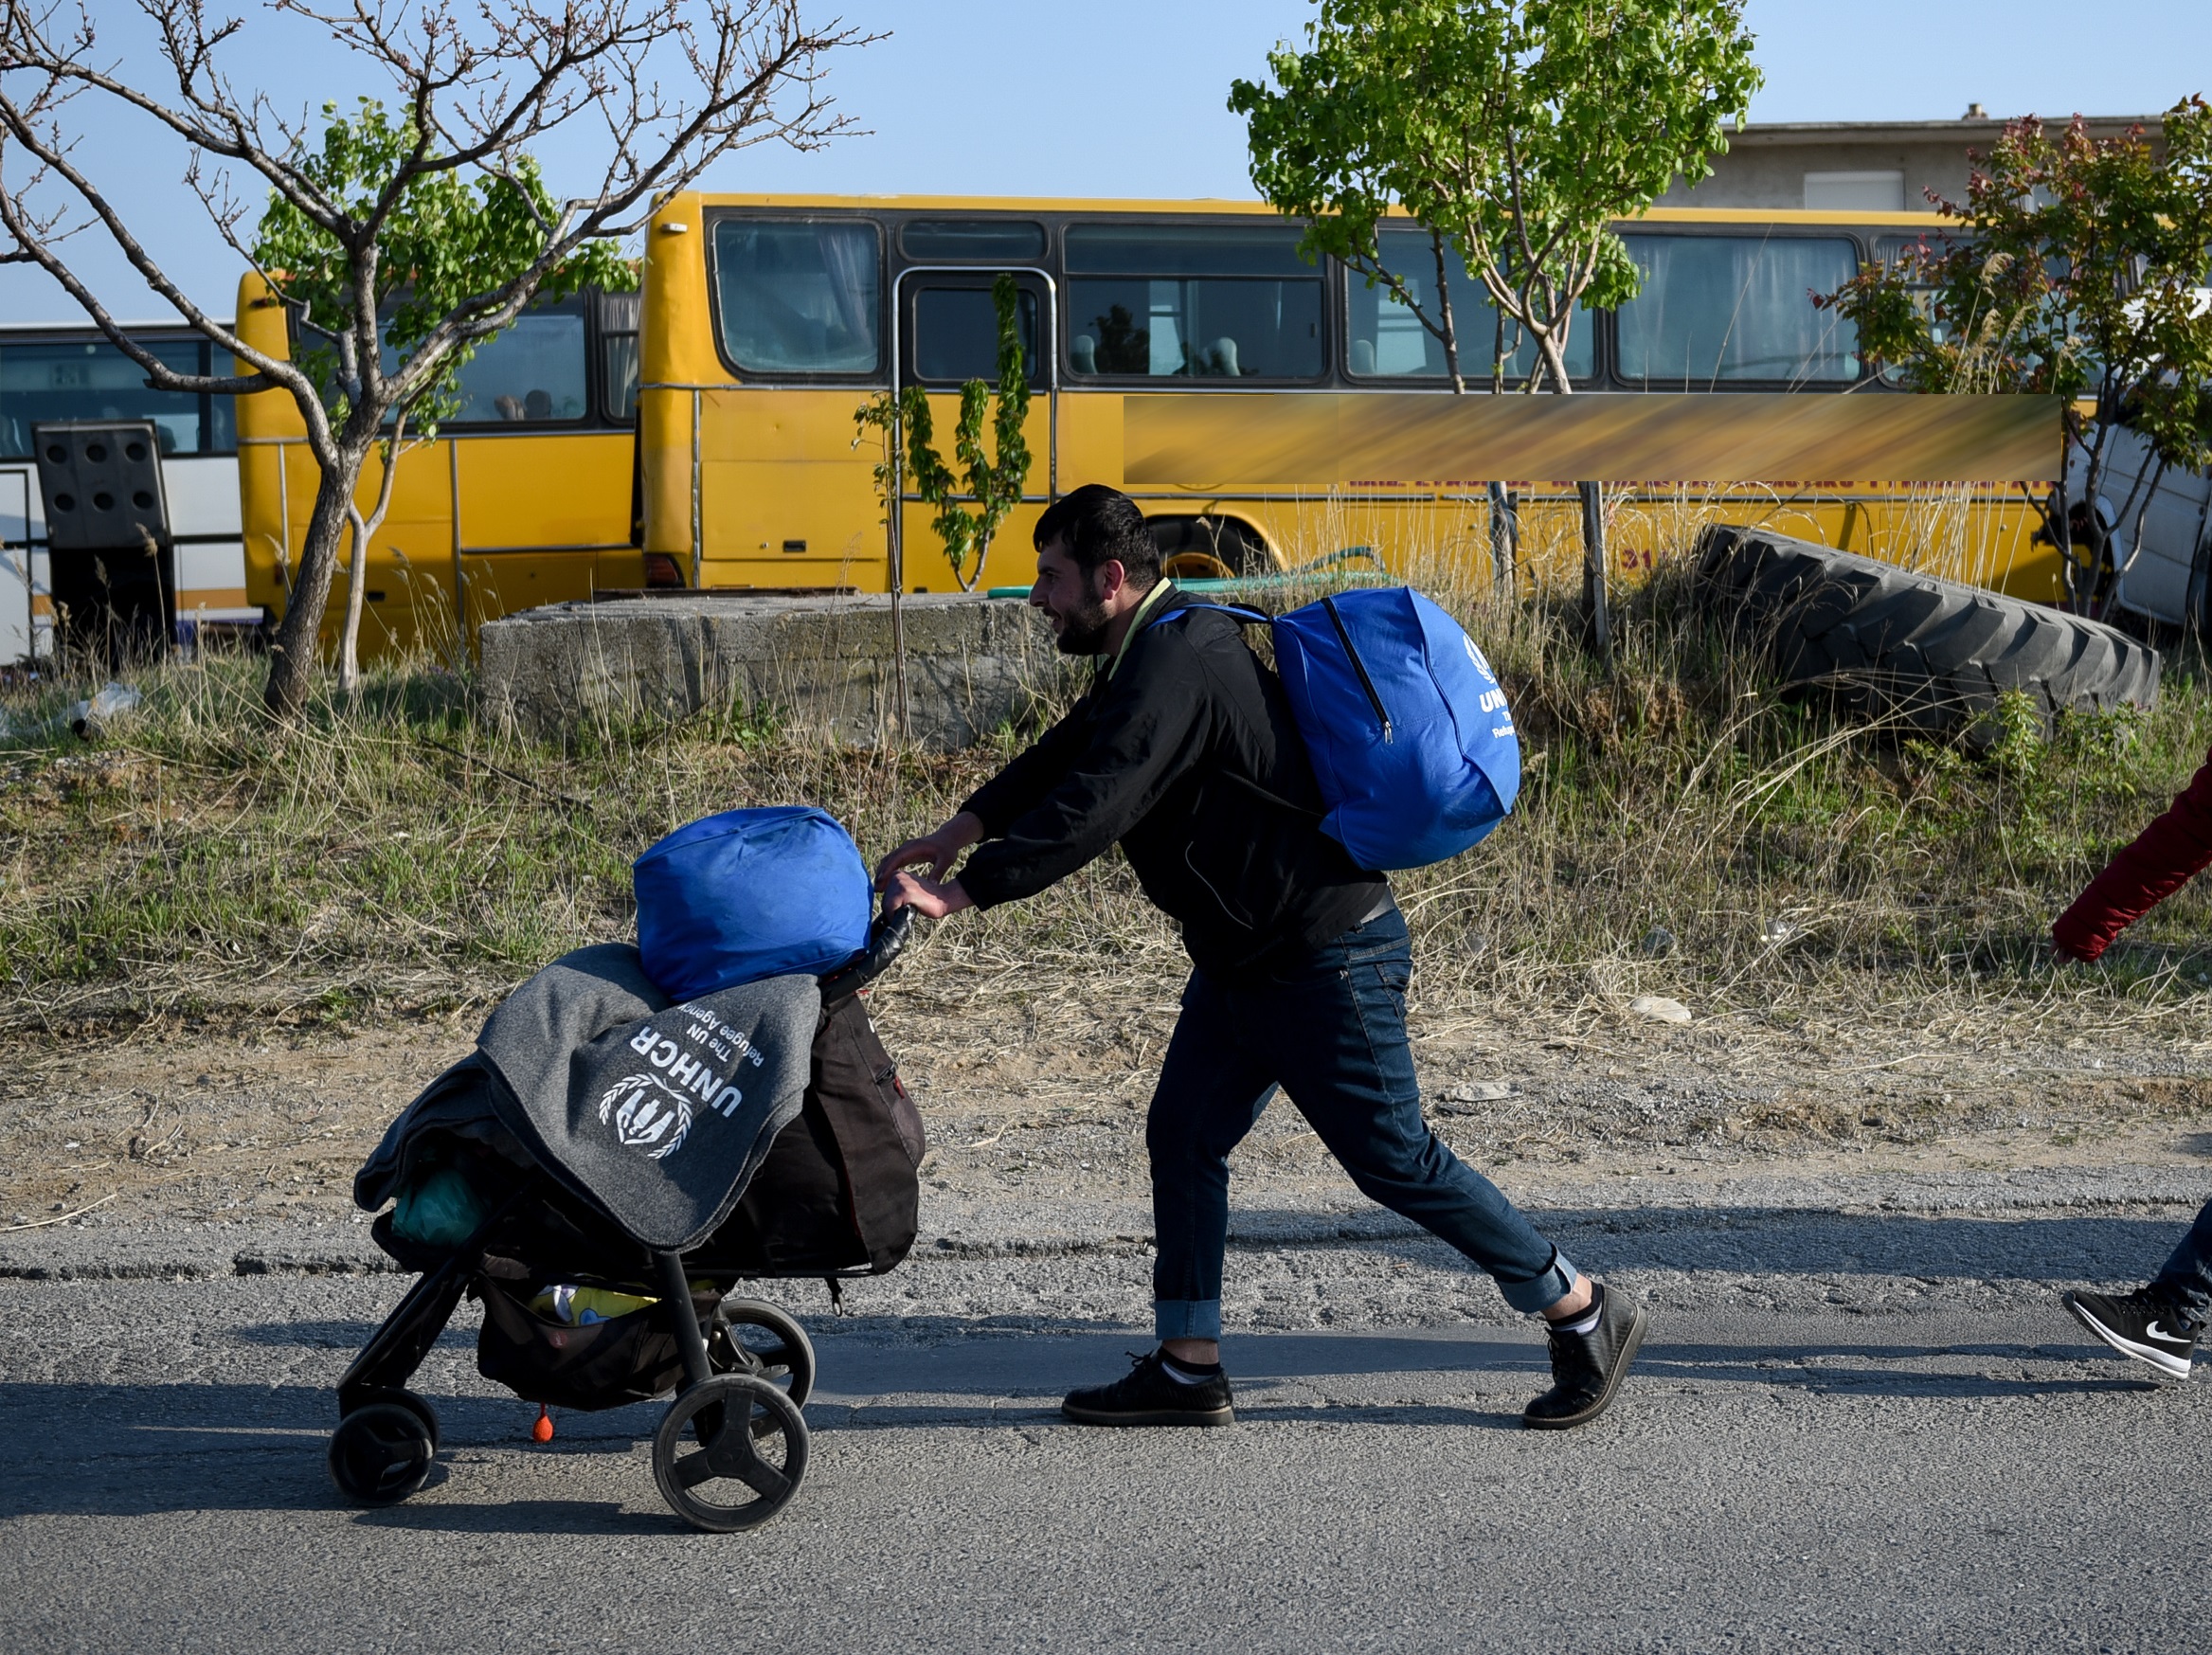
[(1593, 570), (1449, 329), (357, 586), (357, 572), (1594, 567), (299, 639)]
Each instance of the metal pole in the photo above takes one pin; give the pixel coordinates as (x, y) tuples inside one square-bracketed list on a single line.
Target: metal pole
[(461, 589), (698, 530), (1594, 569), (895, 518), (894, 514)]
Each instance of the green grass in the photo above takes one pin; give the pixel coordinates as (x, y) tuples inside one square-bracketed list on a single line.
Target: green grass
[(402, 853)]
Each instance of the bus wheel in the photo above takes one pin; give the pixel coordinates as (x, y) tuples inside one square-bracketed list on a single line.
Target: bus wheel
[(1207, 548), (1931, 654)]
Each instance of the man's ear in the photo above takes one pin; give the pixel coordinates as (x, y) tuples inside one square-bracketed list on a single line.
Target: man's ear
[(1112, 577)]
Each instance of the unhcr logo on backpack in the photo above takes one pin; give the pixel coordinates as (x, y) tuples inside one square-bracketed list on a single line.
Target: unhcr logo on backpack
[(1493, 699)]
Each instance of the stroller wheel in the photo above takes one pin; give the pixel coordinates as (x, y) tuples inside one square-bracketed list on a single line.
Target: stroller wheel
[(752, 1336), (380, 1454), (747, 1453), (418, 1406)]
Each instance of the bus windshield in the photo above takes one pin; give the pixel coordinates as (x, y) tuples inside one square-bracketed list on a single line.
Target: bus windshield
[(799, 296)]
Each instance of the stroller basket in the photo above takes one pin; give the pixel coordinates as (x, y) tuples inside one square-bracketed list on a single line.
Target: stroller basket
[(836, 1195)]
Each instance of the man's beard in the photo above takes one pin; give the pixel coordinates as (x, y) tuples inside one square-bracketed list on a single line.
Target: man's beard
[(1083, 630)]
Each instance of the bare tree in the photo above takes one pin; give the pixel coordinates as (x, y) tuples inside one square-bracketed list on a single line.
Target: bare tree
[(666, 86)]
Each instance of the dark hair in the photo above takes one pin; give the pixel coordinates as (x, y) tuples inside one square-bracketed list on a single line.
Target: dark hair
[(1100, 525)]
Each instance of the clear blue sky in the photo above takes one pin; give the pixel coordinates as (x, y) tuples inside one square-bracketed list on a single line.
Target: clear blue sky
[(1044, 96)]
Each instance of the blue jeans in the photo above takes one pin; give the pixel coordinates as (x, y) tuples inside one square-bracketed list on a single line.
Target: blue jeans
[(2188, 1277), (1329, 1028)]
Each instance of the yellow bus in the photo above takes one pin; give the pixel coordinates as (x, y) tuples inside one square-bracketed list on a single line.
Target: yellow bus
[(768, 320), (527, 497)]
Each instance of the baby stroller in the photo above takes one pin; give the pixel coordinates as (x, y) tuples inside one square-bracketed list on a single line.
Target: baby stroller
[(540, 1189)]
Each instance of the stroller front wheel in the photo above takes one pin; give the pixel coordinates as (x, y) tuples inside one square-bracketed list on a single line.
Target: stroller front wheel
[(380, 1454), (746, 1458)]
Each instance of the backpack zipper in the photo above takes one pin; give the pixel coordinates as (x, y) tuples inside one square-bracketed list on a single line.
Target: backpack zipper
[(1359, 666)]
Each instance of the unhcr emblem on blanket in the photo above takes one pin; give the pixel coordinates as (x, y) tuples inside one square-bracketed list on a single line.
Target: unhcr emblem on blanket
[(652, 1112), (646, 1115)]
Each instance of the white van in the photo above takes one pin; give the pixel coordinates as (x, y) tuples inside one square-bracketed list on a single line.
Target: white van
[(2162, 574), (70, 372)]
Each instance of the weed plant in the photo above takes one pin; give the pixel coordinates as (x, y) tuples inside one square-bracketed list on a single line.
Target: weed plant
[(1682, 830)]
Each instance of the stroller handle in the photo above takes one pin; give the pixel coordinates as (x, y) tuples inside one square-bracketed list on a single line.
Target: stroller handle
[(887, 936)]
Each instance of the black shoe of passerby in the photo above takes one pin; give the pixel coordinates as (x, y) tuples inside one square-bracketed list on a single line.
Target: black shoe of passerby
[(1148, 1394), (1587, 1368), (2139, 1324)]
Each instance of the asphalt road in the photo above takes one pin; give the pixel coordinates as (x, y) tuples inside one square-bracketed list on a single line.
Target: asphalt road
[(1852, 1429)]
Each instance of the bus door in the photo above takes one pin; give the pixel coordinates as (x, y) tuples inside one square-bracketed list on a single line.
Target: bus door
[(947, 324), (522, 497), (536, 477)]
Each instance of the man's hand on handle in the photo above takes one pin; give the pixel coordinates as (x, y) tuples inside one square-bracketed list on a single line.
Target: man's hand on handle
[(930, 894)]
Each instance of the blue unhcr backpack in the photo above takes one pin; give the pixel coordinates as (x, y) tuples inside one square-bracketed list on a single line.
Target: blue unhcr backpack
[(1407, 726), (748, 894)]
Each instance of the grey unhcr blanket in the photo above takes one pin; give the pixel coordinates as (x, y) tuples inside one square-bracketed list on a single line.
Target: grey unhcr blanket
[(658, 1113)]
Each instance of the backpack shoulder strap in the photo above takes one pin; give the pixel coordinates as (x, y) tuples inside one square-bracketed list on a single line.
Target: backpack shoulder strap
[(1250, 617), (1235, 611)]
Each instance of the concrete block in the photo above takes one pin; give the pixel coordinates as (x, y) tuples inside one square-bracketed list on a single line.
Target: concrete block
[(823, 665)]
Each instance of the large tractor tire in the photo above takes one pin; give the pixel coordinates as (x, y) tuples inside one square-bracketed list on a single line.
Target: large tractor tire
[(1931, 654)]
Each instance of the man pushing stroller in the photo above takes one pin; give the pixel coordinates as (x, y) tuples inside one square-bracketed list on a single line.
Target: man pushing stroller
[(1185, 752)]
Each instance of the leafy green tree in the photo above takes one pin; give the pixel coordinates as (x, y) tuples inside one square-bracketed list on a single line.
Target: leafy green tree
[(2080, 268), (1513, 132), (438, 210), (996, 486), (445, 238)]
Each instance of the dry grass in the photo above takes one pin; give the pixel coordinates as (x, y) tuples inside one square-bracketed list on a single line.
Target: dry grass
[(398, 853)]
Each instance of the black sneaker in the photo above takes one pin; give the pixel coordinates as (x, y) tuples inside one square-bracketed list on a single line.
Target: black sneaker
[(1147, 1396), (1587, 1368), (2138, 1326)]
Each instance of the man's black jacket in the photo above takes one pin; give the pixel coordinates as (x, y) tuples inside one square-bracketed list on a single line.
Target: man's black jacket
[(1163, 755)]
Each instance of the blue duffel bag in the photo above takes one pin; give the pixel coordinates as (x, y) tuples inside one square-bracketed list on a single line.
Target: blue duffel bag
[(748, 894), (1411, 742)]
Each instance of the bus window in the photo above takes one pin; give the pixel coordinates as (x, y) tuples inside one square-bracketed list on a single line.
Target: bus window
[(533, 372), (798, 297), (972, 241), (956, 333), (1715, 308), (1387, 340), (617, 347), (54, 379), (1910, 253), (1199, 301), (223, 411)]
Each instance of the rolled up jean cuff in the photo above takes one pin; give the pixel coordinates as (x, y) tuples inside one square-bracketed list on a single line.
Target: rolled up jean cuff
[(1540, 1291), (1193, 1318)]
